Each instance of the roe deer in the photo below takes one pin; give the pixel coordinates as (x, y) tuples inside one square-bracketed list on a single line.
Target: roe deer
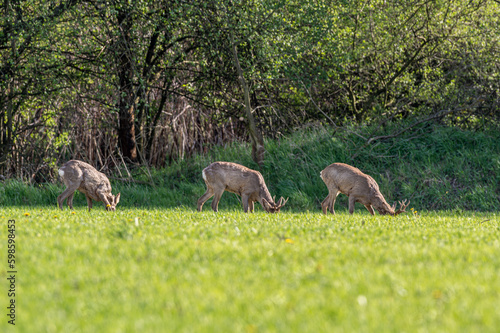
[(235, 178), (78, 175), (359, 187)]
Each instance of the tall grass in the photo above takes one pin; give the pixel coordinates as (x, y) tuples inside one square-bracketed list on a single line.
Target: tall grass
[(442, 169)]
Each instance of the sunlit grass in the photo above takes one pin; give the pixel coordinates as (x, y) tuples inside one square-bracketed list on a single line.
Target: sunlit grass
[(176, 270)]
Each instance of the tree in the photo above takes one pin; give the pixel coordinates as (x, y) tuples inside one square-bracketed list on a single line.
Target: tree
[(143, 43), (148, 80), (23, 78)]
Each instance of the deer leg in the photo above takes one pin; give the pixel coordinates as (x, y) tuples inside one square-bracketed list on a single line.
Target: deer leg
[(244, 200), (332, 201), (250, 206), (352, 201), (67, 192), (325, 204), (370, 209), (89, 202), (70, 200), (215, 201), (208, 194), (329, 201)]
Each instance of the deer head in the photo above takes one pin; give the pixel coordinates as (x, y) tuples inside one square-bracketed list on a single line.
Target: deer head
[(383, 207), (113, 201), (273, 207)]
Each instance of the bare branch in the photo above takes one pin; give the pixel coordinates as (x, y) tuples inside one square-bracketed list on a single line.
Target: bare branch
[(131, 180), (439, 114), (327, 117)]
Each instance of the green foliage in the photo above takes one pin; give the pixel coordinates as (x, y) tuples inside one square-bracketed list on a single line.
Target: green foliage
[(68, 68), (176, 270)]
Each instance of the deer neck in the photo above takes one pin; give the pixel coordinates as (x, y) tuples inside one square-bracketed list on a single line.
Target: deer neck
[(264, 194)]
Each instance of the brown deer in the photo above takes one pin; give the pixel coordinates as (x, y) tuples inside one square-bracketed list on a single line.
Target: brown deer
[(359, 187), (235, 178), (78, 175)]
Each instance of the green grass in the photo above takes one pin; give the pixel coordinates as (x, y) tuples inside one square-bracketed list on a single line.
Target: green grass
[(177, 270)]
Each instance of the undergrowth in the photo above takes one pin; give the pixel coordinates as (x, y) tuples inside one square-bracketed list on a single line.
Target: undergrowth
[(440, 168)]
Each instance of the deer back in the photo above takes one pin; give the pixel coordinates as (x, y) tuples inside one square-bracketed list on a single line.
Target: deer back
[(234, 178), (348, 179)]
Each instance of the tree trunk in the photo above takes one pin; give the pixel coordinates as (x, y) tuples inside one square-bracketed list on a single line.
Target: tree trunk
[(126, 102), (6, 128), (258, 150)]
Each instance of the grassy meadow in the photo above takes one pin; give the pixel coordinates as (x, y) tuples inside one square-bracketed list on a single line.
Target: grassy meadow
[(157, 265), (176, 270)]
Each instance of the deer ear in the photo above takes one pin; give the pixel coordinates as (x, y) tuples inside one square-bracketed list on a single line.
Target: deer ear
[(117, 199)]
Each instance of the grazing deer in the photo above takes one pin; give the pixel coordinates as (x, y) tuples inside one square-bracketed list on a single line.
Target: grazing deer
[(235, 178), (359, 187), (78, 175)]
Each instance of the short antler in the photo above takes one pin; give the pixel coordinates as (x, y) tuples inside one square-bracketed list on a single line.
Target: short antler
[(281, 203), (402, 207)]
